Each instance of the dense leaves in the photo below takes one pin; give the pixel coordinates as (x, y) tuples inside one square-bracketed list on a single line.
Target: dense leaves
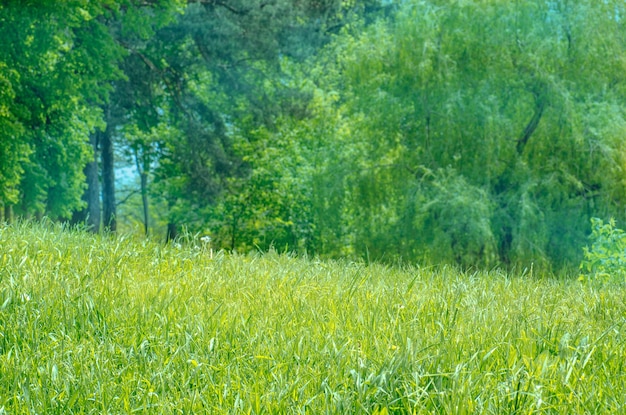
[(605, 260), (56, 61), (478, 133), (469, 132)]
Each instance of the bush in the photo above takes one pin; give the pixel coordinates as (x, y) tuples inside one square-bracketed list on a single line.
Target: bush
[(606, 259)]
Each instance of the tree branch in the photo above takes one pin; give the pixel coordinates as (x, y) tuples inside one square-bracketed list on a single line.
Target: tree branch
[(128, 196), (532, 124)]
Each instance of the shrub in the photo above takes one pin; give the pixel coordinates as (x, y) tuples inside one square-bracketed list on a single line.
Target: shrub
[(606, 259)]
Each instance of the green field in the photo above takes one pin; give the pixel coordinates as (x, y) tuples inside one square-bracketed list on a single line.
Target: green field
[(92, 324)]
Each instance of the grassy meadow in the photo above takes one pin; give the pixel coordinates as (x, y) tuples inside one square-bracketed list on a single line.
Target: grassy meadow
[(97, 325)]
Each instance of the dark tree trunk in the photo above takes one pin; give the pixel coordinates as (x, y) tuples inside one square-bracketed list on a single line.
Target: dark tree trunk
[(108, 176), (8, 213), (144, 201), (91, 215), (143, 175), (172, 232)]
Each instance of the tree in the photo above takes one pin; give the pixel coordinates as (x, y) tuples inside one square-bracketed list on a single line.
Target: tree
[(466, 132), (56, 62), (213, 71), (504, 98)]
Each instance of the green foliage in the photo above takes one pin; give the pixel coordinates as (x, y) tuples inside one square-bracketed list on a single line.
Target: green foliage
[(95, 324), (469, 133), (454, 218), (225, 81), (56, 62), (605, 261), (472, 133)]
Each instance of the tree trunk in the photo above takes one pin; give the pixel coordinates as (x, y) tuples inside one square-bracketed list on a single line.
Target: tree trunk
[(91, 215), (144, 201), (143, 175), (8, 213), (172, 232), (108, 176)]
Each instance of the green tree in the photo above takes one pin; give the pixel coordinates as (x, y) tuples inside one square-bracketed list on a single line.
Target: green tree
[(56, 62), (212, 73), (469, 132), (506, 96)]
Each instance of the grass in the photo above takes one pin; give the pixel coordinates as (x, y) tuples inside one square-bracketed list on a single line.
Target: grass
[(95, 325)]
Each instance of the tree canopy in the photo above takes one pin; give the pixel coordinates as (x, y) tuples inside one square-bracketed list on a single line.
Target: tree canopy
[(470, 132)]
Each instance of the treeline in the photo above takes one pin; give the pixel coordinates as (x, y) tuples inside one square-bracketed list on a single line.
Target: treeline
[(160, 83), (477, 133)]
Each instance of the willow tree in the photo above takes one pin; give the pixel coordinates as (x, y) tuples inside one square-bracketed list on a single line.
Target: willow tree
[(504, 121), (470, 132)]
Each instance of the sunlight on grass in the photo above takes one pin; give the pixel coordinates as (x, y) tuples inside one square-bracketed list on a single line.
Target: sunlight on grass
[(101, 325)]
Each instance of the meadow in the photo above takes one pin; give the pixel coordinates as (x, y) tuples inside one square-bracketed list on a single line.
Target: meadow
[(101, 325)]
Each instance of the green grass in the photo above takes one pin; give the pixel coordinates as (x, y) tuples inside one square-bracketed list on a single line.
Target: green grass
[(101, 325)]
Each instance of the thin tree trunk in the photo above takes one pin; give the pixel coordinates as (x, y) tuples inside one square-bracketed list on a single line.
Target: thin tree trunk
[(144, 201), (143, 175), (108, 176)]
